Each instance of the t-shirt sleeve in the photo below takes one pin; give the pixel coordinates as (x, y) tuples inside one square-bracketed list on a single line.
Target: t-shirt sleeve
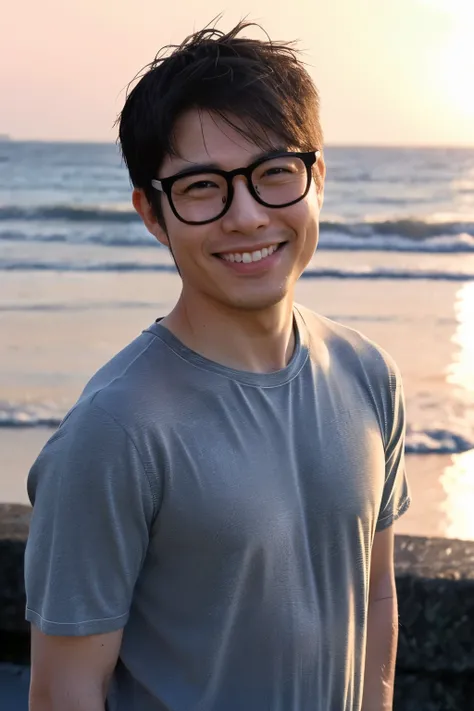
[(93, 509), (396, 496)]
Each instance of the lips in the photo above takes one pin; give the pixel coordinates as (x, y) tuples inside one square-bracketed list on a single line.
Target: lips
[(248, 257)]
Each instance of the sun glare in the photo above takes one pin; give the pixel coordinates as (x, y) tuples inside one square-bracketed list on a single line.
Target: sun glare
[(453, 7), (455, 68)]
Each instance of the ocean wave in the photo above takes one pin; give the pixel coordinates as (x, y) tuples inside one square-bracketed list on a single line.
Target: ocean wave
[(38, 415), (462, 243), (35, 265), (405, 234), (380, 273), (437, 441), (68, 212), (123, 236), (310, 273), (411, 228), (430, 441)]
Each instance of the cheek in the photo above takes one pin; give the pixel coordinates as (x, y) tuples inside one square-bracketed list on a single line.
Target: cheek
[(303, 217), (187, 243)]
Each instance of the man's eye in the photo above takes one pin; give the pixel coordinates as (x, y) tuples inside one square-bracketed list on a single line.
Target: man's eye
[(200, 185), (277, 170)]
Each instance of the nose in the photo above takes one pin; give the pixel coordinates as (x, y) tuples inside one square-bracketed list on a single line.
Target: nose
[(245, 215)]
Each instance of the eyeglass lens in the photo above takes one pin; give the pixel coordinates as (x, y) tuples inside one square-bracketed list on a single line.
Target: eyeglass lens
[(202, 197)]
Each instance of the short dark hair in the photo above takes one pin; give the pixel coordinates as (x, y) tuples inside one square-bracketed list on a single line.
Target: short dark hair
[(262, 83)]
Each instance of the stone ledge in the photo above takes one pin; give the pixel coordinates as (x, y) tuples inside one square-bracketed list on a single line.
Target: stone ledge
[(14, 523), (435, 582), (428, 558), (429, 692)]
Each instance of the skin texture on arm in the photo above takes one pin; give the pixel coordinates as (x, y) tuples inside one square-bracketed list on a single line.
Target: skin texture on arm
[(71, 673), (382, 626)]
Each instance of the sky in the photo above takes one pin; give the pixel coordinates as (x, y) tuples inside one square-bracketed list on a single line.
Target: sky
[(389, 72)]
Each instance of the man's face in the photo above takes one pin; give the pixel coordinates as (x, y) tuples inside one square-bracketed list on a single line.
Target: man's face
[(202, 252)]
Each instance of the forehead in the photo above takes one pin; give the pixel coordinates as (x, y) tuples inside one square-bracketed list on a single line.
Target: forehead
[(202, 137)]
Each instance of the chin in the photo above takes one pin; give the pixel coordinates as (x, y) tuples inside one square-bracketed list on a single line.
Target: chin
[(257, 302)]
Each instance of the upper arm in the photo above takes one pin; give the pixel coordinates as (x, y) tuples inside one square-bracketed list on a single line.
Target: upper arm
[(395, 497), (89, 531), (61, 666), (382, 572)]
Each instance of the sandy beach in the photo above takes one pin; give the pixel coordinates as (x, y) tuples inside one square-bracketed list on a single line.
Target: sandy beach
[(50, 351)]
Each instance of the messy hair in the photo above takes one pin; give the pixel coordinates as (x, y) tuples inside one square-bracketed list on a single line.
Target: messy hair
[(261, 83)]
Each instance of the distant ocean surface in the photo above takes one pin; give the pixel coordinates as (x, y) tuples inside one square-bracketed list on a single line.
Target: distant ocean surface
[(396, 259), (403, 200)]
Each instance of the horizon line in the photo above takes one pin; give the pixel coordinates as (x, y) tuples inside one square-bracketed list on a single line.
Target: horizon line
[(7, 138)]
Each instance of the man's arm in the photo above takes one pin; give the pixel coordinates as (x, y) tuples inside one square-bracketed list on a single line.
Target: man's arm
[(71, 673), (93, 508), (382, 627)]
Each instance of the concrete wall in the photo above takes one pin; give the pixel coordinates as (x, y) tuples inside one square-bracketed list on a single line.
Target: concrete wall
[(435, 582)]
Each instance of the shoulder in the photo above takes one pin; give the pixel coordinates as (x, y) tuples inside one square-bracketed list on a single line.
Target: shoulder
[(354, 362), (136, 385), (350, 346), (131, 401), (129, 364), (93, 453)]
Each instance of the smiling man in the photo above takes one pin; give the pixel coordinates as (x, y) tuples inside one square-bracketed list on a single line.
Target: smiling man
[(212, 523)]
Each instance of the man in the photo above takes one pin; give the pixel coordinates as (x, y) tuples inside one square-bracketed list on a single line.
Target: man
[(212, 520)]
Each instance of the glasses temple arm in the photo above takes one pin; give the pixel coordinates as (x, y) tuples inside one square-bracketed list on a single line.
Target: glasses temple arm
[(157, 185)]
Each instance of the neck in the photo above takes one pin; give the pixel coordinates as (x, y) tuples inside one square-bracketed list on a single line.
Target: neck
[(260, 341)]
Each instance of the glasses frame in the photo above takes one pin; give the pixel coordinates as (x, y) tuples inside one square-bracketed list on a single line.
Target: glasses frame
[(165, 185)]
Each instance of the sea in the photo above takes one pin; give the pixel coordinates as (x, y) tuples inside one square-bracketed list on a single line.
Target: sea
[(80, 276)]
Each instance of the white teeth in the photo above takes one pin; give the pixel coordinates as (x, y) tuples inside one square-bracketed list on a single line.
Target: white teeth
[(248, 257)]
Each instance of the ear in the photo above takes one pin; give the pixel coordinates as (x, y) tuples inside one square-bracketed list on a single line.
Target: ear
[(145, 210), (320, 177)]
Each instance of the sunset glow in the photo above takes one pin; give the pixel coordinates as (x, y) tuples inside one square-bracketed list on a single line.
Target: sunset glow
[(397, 72)]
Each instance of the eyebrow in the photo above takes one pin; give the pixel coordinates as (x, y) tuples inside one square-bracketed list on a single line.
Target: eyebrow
[(210, 167)]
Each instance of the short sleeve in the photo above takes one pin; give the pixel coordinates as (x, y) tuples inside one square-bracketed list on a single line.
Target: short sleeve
[(92, 512), (396, 496)]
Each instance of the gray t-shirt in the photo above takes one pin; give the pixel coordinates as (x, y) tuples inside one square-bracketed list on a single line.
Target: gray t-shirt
[(224, 519)]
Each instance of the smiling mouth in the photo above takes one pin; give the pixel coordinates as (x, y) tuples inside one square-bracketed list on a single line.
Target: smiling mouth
[(248, 257)]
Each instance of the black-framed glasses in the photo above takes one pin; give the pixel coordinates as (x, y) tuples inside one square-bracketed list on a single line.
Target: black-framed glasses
[(199, 196)]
